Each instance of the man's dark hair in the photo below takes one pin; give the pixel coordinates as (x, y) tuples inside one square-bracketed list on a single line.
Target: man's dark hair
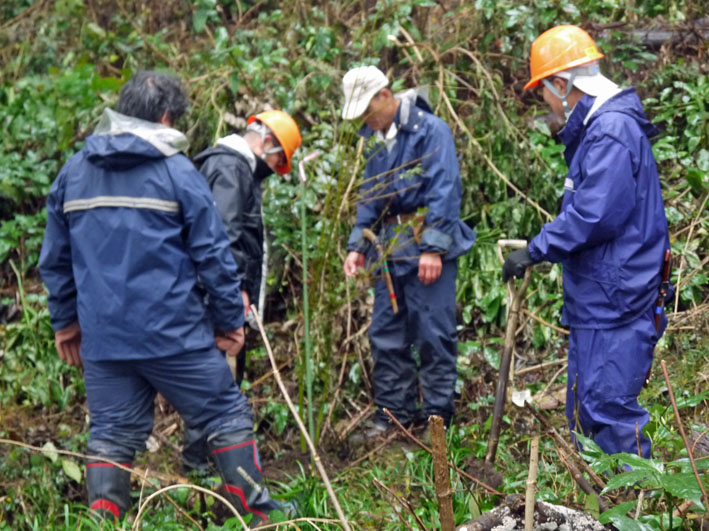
[(148, 95)]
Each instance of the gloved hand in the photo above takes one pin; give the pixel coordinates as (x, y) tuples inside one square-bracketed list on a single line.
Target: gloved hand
[(68, 342), (231, 341), (516, 264)]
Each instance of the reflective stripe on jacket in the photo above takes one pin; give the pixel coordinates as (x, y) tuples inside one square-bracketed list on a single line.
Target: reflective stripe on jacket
[(611, 233), (133, 248)]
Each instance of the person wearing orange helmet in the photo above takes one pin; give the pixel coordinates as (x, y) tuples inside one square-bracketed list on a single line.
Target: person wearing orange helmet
[(610, 236), (235, 169)]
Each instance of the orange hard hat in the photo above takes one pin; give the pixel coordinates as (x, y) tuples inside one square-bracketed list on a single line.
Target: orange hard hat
[(559, 49), (286, 132)]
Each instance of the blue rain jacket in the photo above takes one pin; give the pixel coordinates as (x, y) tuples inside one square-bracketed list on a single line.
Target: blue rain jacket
[(419, 171), (611, 233), (134, 247)]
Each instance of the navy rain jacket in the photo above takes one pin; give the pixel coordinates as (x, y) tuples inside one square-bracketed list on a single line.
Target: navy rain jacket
[(611, 233), (419, 172), (131, 227)]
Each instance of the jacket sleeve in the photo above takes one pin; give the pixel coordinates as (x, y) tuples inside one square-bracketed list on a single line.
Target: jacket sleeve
[(601, 205), (369, 211), (208, 246), (55, 264), (232, 191), (442, 189)]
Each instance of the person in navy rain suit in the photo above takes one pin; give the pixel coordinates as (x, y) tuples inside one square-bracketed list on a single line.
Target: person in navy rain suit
[(133, 250), (610, 237), (410, 196)]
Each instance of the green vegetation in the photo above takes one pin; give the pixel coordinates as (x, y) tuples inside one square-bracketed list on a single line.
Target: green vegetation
[(63, 61)]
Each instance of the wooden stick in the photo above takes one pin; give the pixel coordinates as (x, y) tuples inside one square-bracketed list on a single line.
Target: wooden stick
[(580, 479), (463, 473), (540, 366), (684, 437), (534, 316), (531, 485), (299, 422), (402, 501), (367, 233), (517, 296), (440, 473)]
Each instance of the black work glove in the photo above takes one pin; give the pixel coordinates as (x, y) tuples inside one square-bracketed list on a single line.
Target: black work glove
[(516, 264)]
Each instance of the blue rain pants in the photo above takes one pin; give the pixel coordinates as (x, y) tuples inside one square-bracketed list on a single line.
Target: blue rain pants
[(426, 322), (121, 395), (607, 369)]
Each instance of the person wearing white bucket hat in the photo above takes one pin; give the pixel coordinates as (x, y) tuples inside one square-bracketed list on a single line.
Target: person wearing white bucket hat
[(611, 238), (410, 197)]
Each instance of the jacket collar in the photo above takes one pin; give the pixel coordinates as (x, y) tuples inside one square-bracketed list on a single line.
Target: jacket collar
[(165, 139), (412, 105)]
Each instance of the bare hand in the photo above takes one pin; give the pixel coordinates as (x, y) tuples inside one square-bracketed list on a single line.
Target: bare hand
[(230, 342), (247, 302), (353, 262), (68, 342), (430, 267)]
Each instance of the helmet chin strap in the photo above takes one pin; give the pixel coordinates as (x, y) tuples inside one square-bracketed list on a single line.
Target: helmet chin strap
[(263, 131), (564, 98)]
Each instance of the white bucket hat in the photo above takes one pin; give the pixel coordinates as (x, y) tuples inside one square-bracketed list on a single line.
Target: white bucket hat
[(588, 79), (360, 85)]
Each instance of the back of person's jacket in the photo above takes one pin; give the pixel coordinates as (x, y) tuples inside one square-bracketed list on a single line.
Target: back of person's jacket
[(232, 174), (417, 172), (131, 227), (611, 233)]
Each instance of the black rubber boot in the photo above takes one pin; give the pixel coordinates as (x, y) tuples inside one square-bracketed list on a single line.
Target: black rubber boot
[(236, 457), (109, 489)]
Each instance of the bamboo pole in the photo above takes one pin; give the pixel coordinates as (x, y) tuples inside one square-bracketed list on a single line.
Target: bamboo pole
[(440, 473), (301, 426), (306, 288), (531, 485)]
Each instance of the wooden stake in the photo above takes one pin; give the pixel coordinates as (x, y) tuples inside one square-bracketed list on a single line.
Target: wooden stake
[(440, 473), (463, 473), (531, 485)]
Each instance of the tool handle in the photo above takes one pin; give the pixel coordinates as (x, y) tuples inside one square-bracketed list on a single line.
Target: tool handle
[(369, 235)]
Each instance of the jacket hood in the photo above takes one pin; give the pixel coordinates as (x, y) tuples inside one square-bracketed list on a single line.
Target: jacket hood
[(121, 142), (235, 145), (627, 102)]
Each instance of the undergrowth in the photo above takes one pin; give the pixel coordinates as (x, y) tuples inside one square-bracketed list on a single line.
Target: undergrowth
[(63, 61)]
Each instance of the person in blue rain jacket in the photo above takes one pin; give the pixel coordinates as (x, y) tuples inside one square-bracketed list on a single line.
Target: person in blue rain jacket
[(410, 197), (141, 282), (610, 238)]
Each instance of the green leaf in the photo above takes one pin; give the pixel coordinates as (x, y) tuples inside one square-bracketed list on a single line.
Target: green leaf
[(683, 485), (591, 506), (626, 479), (628, 524), (72, 470), (492, 356), (639, 463), (50, 451), (199, 21), (618, 510)]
